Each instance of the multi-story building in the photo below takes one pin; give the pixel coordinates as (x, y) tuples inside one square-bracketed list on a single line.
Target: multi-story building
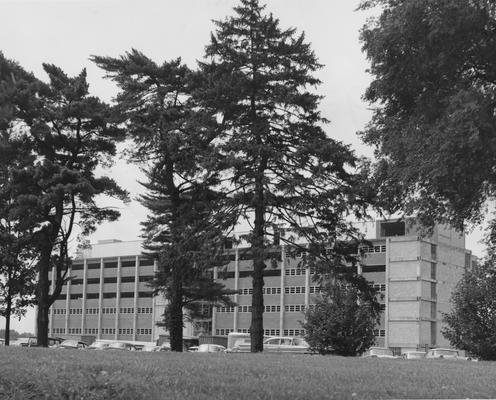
[(109, 298), (414, 275)]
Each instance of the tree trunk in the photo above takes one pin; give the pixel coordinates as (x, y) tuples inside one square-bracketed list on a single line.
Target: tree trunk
[(176, 311), (8, 312), (43, 297), (256, 328)]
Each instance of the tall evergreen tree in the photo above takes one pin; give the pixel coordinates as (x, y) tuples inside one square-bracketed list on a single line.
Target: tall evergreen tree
[(283, 168), (17, 274), (175, 143), (69, 133)]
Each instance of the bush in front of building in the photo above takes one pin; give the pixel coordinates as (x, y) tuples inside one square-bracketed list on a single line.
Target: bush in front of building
[(471, 323), (342, 321)]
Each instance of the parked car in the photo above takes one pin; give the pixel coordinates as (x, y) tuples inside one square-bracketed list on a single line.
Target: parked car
[(24, 342), (72, 344), (379, 352), (98, 346), (413, 355), (209, 348), (2, 342), (122, 346), (450, 354), (150, 348), (52, 342), (276, 344)]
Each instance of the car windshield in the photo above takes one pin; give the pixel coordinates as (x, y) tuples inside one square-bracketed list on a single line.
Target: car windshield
[(446, 352), (69, 343), (381, 352)]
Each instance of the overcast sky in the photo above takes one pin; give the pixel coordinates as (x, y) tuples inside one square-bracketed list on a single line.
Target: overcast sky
[(67, 32)]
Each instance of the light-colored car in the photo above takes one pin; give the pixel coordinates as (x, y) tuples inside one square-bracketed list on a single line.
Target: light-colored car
[(122, 346), (72, 344), (449, 354), (209, 348), (150, 348), (276, 344), (379, 352), (98, 346), (413, 355), (24, 342)]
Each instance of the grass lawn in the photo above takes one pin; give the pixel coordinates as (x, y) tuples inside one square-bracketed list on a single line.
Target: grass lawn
[(33, 373)]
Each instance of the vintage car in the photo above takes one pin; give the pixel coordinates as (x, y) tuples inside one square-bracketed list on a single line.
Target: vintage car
[(276, 344), (448, 354), (379, 352)]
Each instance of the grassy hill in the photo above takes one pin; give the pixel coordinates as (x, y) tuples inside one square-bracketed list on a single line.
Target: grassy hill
[(34, 373)]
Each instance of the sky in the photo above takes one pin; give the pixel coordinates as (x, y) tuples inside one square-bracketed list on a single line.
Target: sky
[(67, 32)]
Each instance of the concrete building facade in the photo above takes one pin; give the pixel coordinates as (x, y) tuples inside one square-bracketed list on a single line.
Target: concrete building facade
[(109, 298)]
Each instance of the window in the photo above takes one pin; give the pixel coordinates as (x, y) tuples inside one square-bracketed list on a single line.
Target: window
[(145, 294), (295, 271), (108, 310), (294, 308), (145, 310), (373, 268), (245, 291), (226, 309), (127, 279), (128, 263), (110, 295), (58, 311), (314, 289), (145, 261), (271, 290), (244, 330), (77, 267), (92, 295), (94, 266), (76, 282), (144, 331), (93, 280), (110, 264), (381, 287), (112, 279), (294, 332), (433, 270), (294, 290), (379, 332), (92, 311), (127, 295), (126, 331), (393, 228), (272, 308), (76, 296), (108, 331), (126, 310), (271, 332), (146, 278), (223, 332)]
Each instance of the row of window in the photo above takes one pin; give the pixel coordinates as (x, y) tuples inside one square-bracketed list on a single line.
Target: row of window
[(301, 289), (381, 287), (267, 332), (373, 249), (380, 332), (143, 262), (297, 271), (58, 331), (294, 332), (267, 308), (106, 295), (112, 279), (105, 310), (74, 331)]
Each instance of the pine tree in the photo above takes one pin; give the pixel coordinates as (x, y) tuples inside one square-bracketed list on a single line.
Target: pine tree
[(175, 143), (283, 168), (69, 133)]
